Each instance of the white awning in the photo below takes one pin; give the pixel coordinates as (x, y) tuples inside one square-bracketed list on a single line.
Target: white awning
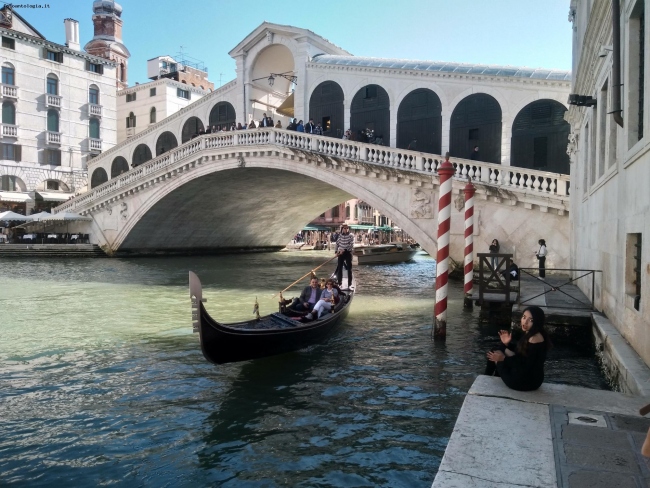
[(16, 197), (55, 196)]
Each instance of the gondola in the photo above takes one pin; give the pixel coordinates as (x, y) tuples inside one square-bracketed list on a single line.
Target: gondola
[(272, 334)]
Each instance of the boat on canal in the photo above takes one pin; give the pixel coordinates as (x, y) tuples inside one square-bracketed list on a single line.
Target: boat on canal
[(269, 335), (383, 254)]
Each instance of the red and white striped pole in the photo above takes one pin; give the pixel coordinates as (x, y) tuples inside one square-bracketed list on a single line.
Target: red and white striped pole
[(469, 191), (445, 172)]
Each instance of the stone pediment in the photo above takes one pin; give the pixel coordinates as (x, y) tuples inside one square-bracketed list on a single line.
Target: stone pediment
[(266, 31)]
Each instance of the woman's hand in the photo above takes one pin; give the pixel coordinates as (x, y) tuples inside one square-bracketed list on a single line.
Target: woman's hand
[(495, 356), (505, 337)]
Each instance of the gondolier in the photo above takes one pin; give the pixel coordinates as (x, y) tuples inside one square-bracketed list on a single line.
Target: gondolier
[(344, 247)]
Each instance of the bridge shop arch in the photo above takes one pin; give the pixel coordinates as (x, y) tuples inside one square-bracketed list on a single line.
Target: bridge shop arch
[(326, 107), (119, 166), (539, 137), (191, 127), (476, 121), (370, 109), (166, 141), (419, 118), (223, 113), (141, 155), (98, 177)]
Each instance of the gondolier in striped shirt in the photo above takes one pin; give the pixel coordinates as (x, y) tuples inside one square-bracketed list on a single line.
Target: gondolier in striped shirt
[(344, 246)]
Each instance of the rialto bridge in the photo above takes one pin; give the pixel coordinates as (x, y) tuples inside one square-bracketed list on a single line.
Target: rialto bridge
[(256, 188)]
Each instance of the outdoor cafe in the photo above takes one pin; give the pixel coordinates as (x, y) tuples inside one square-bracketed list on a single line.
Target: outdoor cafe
[(41, 228)]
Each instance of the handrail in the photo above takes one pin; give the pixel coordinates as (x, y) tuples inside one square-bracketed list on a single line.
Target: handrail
[(532, 182), (587, 272)]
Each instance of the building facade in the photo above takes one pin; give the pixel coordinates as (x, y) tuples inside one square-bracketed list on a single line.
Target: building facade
[(58, 112), (610, 155)]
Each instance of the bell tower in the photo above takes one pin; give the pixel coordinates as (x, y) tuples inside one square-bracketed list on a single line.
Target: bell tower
[(107, 41)]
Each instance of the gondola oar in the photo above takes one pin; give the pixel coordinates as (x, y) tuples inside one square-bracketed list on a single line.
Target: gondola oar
[(305, 276)]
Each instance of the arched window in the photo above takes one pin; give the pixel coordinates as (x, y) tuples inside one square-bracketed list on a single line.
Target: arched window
[(93, 95), (52, 120), (122, 73), (93, 126), (99, 176), (152, 115), (8, 113), (130, 121), (52, 85), (119, 166), (8, 74)]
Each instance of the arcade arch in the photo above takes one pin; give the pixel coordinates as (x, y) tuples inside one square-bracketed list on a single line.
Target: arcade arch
[(326, 107), (370, 109), (165, 142), (119, 166), (141, 155), (476, 121), (419, 118), (191, 127), (98, 177), (223, 113)]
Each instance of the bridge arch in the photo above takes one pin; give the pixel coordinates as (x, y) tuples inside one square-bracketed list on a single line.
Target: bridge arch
[(223, 113), (118, 166), (419, 118), (477, 121), (370, 109), (191, 127), (98, 177), (141, 154), (165, 142), (326, 107), (539, 137)]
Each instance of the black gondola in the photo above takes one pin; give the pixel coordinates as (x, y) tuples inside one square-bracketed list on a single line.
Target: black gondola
[(277, 333)]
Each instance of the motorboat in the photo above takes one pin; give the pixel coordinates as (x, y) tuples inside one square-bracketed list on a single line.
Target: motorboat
[(383, 254)]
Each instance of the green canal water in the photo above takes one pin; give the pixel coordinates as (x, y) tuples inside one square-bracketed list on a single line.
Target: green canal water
[(103, 383)]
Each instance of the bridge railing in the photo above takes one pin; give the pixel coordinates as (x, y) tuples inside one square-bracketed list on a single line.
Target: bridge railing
[(506, 177)]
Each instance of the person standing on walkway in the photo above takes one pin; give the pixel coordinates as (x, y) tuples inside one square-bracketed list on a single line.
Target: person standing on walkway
[(344, 246), (541, 257), (494, 249)]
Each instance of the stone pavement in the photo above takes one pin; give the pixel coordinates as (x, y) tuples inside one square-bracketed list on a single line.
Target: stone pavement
[(558, 436)]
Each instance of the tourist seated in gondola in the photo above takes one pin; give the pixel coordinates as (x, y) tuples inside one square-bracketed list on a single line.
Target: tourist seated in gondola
[(328, 300), (308, 298), (521, 365)]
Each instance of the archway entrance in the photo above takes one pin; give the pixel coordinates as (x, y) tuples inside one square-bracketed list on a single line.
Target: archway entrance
[(267, 91), (476, 121), (419, 119)]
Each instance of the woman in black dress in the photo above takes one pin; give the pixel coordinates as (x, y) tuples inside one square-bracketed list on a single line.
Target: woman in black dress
[(521, 365)]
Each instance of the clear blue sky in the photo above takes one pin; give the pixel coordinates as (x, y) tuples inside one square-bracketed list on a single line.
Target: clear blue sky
[(533, 33)]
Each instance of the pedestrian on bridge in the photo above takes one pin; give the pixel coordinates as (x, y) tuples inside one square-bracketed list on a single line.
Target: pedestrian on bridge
[(541, 257)]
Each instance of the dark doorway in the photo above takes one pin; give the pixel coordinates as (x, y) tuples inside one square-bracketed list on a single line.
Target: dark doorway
[(419, 122), (540, 137), (99, 176), (142, 154), (370, 109), (476, 121), (326, 107), (222, 114), (191, 127), (165, 142), (119, 166)]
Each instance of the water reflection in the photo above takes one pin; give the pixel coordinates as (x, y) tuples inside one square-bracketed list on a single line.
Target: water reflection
[(103, 382)]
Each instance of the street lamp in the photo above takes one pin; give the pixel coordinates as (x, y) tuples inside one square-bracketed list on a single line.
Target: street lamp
[(287, 76)]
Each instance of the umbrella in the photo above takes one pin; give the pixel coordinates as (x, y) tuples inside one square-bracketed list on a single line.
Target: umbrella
[(10, 216), (65, 217)]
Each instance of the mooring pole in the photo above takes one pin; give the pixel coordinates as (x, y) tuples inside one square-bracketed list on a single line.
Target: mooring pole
[(445, 172), (469, 191)]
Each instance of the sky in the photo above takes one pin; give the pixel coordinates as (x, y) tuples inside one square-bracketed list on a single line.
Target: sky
[(532, 33)]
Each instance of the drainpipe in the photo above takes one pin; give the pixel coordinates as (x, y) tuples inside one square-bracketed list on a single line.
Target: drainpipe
[(616, 62)]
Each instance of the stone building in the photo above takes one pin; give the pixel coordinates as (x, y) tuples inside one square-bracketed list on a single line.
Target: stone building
[(610, 155), (58, 111)]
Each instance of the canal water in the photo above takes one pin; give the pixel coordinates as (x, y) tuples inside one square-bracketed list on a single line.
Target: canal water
[(103, 383)]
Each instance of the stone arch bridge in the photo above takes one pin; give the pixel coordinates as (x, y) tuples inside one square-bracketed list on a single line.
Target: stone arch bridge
[(255, 189)]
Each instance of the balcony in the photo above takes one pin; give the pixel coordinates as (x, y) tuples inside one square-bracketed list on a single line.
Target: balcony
[(53, 137), (94, 110), (10, 91), (9, 130), (53, 100), (95, 145)]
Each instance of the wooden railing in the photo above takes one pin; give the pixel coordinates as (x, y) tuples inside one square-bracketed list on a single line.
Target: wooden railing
[(507, 177)]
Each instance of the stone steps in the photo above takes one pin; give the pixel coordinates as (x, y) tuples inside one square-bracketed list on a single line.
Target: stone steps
[(51, 251)]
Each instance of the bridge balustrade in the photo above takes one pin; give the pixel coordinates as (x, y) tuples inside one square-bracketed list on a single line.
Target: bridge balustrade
[(509, 177)]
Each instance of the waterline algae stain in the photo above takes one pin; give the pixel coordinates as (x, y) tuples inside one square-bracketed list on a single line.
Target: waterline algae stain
[(103, 381)]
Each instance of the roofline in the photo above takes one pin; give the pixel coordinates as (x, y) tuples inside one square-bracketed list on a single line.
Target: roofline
[(23, 19), (162, 81)]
